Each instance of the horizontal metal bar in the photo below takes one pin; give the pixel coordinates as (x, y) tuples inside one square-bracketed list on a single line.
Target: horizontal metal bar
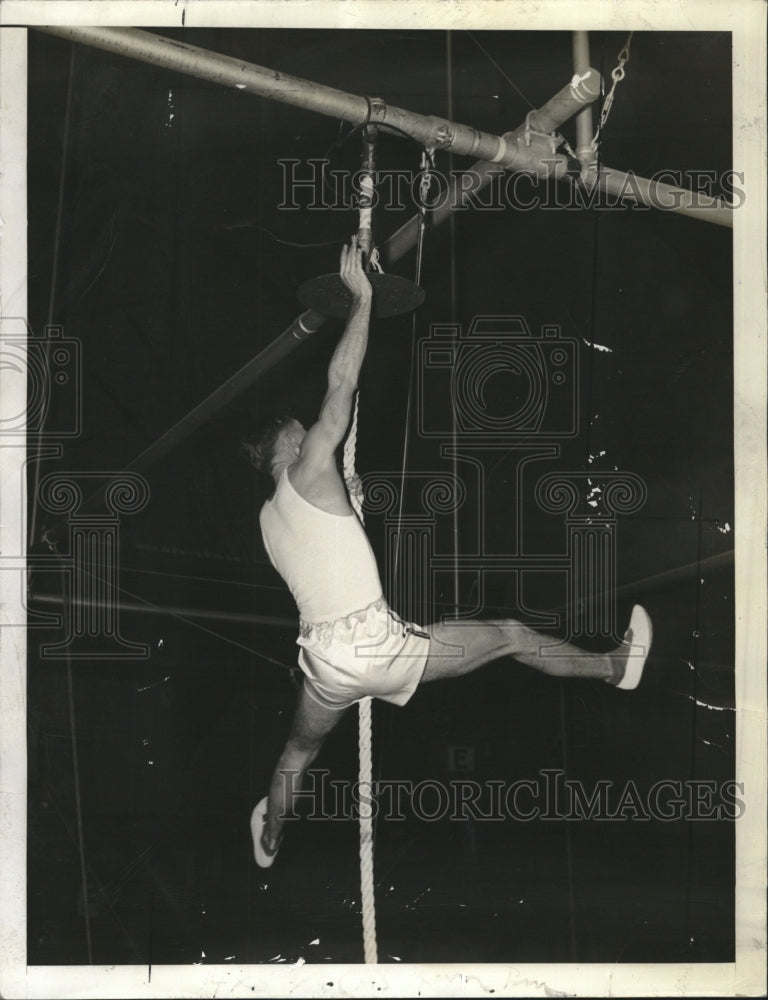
[(510, 151), (169, 53), (225, 70), (250, 78), (521, 156), (665, 197)]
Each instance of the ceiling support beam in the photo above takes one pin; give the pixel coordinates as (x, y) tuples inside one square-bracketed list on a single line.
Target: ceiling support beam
[(436, 133), (530, 148), (516, 150)]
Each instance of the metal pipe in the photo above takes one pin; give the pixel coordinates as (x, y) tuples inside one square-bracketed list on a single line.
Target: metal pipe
[(250, 78), (435, 132), (547, 119), (532, 159), (566, 102), (615, 182), (225, 70), (665, 197), (520, 157), (511, 151), (584, 132), (398, 244), (299, 330)]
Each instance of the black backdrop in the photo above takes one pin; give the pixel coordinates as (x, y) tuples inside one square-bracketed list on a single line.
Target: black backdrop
[(177, 263)]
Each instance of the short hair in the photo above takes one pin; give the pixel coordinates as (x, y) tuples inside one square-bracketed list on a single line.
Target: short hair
[(259, 447)]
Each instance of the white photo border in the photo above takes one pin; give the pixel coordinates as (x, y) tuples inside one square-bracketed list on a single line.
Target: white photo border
[(746, 20)]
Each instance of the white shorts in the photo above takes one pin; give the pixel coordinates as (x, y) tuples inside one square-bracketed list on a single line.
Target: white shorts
[(370, 653)]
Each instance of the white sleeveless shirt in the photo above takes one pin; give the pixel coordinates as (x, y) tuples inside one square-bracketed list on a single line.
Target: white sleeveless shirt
[(326, 559)]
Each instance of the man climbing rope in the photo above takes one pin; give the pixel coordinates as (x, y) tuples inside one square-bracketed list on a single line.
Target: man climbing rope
[(352, 644)]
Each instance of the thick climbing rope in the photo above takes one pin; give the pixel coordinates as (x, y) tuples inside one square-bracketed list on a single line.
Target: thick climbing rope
[(365, 720), (365, 739)]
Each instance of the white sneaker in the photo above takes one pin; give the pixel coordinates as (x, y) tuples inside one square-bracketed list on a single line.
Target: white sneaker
[(263, 855), (639, 636)]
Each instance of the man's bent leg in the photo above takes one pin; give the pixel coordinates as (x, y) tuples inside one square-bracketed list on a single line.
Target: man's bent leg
[(312, 723), (458, 648)]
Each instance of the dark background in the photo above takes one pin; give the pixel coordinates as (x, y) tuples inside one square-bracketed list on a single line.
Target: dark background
[(175, 265)]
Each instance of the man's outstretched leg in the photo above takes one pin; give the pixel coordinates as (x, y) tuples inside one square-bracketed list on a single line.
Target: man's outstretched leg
[(311, 724), (459, 647)]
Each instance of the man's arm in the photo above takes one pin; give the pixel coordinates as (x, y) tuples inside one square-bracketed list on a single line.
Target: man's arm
[(324, 437)]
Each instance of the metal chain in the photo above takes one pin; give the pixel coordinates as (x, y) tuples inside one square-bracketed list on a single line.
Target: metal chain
[(617, 75), (425, 183)]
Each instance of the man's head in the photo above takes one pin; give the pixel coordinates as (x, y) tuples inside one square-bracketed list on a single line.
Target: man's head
[(277, 441)]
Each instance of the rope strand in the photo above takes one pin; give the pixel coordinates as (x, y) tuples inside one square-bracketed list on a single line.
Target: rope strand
[(365, 719), (365, 735)]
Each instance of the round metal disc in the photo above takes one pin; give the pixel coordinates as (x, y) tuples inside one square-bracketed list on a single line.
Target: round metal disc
[(392, 295)]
